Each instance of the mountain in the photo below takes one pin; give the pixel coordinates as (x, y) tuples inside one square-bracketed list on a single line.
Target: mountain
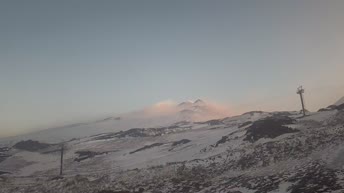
[(199, 110), (160, 114), (185, 147), (198, 105), (339, 105), (199, 102), (186, 104), (267, 152), (339, 102)]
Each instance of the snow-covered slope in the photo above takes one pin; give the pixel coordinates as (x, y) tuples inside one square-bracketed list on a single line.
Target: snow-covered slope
[(254, 152), (340, 101), (158, 115)]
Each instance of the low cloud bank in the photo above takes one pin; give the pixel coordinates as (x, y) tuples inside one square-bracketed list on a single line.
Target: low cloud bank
[(191, 110)]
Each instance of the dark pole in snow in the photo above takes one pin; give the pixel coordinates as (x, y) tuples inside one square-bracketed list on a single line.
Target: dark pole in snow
[(61, 161), (303, 106)]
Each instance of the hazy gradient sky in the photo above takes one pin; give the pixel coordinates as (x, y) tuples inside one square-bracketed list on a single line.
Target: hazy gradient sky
[(67, 61)]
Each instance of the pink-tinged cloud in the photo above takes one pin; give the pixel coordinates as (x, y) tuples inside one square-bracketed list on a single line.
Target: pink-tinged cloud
[(202, 111), (160, 108)]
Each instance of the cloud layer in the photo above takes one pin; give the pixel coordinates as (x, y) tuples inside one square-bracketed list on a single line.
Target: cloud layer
[(190, 110)]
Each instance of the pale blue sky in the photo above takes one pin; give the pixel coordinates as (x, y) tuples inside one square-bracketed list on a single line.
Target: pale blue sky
[(67, 61)]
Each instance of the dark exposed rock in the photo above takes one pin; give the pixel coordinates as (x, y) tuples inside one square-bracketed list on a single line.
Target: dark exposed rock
[(4, 149), (212, 122), (104, 136), (270, 127), (245, 124), (183, 141), (82, 155), (222, 140), (31, 145), (181, 123), (252, 112), (135, 132), (140, 132), (340, 107), (332, 107), (177, 143), (147, 147), (282, 113), (324, 109), (2, 172)]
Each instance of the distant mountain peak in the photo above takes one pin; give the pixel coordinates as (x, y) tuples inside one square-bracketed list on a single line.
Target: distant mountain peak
[(340, 101), (189, 104), (199, 101), (186, 103)]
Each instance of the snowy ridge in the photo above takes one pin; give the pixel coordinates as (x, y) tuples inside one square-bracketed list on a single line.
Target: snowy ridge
[(275, 152), (158, 115), (339, 102)]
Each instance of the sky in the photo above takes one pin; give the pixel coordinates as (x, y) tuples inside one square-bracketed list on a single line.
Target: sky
[(67, 61)]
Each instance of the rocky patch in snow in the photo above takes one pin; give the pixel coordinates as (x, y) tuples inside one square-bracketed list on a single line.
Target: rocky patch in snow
[(245, 124), (253, 112), (183, 141), (222, 140), (212, 122), (2, 172), (142, 132), (4, 153), (270, 127), (82, 155), (271, 153), (31, 145), (333, 107), (179, 143), (147, 147)]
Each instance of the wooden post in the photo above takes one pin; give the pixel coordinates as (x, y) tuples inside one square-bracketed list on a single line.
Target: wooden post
[(61, 161), (303, 105)]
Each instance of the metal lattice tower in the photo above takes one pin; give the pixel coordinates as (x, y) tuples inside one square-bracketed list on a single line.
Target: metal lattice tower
[(300, 91)]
